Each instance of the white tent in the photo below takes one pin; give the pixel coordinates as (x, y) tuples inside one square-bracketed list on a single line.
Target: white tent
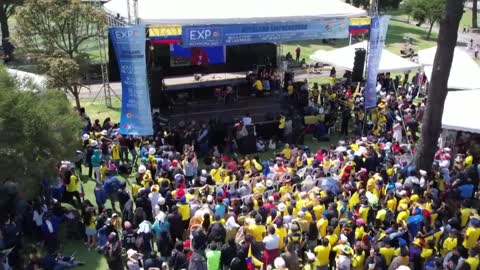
[(27, 80), (464, 73), (226, 12), (461, 111), (343, 57)]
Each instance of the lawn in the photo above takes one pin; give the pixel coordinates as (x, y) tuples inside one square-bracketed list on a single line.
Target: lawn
[(97, 109), (394, 42), (467, 19)]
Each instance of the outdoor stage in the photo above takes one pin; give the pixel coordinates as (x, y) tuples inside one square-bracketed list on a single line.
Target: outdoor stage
[(205, 81), (259, 108)]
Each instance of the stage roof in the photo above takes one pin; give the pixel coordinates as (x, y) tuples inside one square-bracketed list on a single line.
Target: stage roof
[(188, 12), (344, 58)]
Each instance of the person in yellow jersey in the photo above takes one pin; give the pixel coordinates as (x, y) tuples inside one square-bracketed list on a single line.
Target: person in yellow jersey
[(258, 86), (71, 188), (472, 260), (281, 127), (322, 254), (471, 235), (322, 225), (184, 211), (387, 251), (287, 152), (449, 243), (257, 230)]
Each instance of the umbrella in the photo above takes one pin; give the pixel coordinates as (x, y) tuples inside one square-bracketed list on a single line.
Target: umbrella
[(330, 184)]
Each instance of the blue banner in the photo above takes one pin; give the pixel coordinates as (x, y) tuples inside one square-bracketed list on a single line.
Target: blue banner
[(378, 33), (237, 34), (129, 45)]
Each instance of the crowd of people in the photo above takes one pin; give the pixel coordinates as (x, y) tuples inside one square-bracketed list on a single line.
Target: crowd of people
[(190, 202)]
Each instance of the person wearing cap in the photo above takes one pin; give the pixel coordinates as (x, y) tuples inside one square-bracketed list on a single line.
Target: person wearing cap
[(184, 211), (153, 261)]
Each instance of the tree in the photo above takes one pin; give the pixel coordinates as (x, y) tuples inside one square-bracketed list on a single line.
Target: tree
[(474, 14), (430, 11), (7, 8), (53, 33), (38, 129), (432, 120)]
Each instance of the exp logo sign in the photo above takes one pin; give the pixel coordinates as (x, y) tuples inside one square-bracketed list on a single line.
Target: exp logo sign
[(210, 36), (125, 34)]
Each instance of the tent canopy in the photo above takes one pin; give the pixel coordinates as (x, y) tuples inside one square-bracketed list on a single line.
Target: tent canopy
[(461, 111), (464, 73), (344, 57), (27, 80), (230, 12)]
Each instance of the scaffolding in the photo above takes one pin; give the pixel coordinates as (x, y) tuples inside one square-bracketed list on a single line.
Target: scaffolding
[(102, 32), (132, 8)]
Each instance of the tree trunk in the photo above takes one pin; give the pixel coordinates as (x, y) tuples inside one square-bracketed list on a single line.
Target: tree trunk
[(474, 14), (430, 30), (432, 119), (75, 91), (4, 23)]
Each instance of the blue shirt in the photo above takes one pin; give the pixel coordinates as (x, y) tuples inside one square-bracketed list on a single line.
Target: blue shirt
[(111, 185), (220, 210)]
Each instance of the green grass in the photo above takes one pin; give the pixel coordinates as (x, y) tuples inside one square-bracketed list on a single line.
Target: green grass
[(97, 109), (466, 20), (394, 42)]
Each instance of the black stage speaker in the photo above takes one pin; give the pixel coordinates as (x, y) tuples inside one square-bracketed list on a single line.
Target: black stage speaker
[(358, 65), (247, 145)]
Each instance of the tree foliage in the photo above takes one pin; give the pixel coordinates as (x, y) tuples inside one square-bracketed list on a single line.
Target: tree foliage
[(38, 129), (53, 32), (430, 11)]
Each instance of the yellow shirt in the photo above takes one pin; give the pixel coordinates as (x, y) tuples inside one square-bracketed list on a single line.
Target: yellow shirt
[(115, 152), (426, 253), (322, 255), (402, 216), (392, 204), (287, 153), (258, 85), (281, 124), (388, 254), (448, 245), (322, 225), (290, 90), (184, 210), (282, 234), (73, 185), (92, 223), (359, 232), (471, 237), (464, 216), (318, 210), (216, 175), (332, 239), (358, 261), (468, 161), (257, 231), (473, 262)]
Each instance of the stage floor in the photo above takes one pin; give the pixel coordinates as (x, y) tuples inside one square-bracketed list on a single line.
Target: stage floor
[(207, 80), (257, 107)]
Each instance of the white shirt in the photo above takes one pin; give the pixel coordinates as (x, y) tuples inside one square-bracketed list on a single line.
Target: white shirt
[(154, 197), (247, 121), (38, 218), (231, 224), (271, 241)]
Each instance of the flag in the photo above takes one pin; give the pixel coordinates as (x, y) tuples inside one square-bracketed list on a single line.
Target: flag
[(252, 262), (359, 25), (167, 34), (354, 200), (357, 90)]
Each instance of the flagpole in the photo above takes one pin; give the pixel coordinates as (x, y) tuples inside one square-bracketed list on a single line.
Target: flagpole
[(350, 40)]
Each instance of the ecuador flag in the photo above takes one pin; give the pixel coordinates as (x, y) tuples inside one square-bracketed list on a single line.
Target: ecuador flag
[(252, 262)]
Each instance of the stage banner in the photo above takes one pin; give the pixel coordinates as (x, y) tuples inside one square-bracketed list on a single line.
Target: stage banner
[(378, 33), (129, 45), (237, 34)]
